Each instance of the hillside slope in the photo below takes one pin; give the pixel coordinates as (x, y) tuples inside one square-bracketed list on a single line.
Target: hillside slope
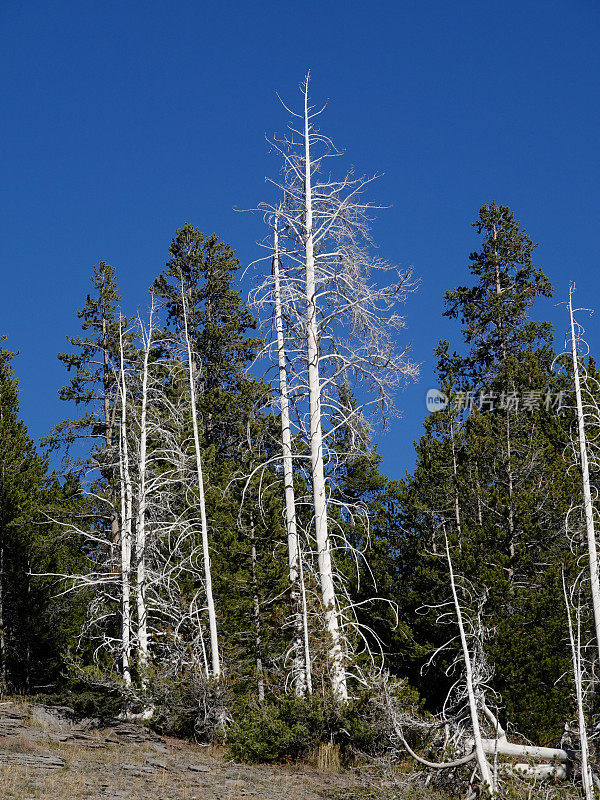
[(51, 754)]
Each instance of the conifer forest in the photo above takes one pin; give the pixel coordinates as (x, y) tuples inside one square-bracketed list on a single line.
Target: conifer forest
[(208, 545)]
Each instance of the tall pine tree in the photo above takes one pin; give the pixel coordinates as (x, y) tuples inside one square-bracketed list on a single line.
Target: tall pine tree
[(493, 476)]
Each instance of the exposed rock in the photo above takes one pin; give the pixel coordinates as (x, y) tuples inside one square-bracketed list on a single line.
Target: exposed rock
[(53, 716), (11, 728), (130, 732), (158, 769), (14, 720), (35, 760), (157, 762)]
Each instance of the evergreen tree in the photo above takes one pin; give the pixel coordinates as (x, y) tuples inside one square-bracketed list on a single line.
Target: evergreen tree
[(93, 385), (493, 477), (93, 381), (26, 643), (236, 435), (218, 323), (494, 310)]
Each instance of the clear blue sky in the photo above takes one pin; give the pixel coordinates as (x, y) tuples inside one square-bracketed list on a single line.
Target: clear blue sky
[(121, 121)]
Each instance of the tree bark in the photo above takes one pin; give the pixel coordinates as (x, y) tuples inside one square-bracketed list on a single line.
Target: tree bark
[(336, 656), (126, 514), (482, 762), (301, 655), (212, 618), (140, 528), (585, 475), (125, 579)]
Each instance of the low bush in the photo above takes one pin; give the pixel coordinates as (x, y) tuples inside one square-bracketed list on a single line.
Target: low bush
[(289, 728)]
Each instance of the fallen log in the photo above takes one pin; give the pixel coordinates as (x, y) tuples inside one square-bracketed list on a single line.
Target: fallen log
[(503, 747), (543, 771)]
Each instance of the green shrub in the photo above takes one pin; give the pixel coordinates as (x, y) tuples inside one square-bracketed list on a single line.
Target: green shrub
[(275, 730), (85, 701), (288, 728)]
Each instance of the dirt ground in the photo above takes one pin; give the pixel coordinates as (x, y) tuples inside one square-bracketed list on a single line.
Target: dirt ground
[(47, 753)]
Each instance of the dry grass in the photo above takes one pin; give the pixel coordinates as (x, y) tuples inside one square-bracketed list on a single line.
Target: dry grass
[(98, 767), (326, 757), (14, 700), (21, 744), (22, 783)]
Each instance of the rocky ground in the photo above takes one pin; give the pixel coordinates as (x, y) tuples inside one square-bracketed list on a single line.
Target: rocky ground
[(48, 752)]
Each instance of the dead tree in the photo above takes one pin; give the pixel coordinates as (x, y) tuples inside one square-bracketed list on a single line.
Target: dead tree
[(341, 323), (212, 617), (301, 648), (592, 410)]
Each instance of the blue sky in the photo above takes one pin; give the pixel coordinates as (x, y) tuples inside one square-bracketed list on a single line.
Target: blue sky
[(121, 121)]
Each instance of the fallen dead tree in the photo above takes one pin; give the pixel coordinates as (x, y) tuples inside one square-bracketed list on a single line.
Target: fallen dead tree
[(538, 763), (559, 766), (467, 729)]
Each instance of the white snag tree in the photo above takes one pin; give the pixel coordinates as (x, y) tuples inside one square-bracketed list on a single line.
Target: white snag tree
[(579, 683), (588, 507), (126, 518), (301, 648), (485, 772), (341, 322), (212, 616), (147, 341)]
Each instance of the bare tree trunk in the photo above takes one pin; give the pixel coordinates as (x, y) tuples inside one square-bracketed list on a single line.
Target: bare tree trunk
[(501, 334), (202, 645), (484, 767), (336, 657), (27, 675), (511, 519), (586, 775), (140, 528), (305, 639), (478, 492), (456, 500), (301, 657), (126, 518), (585, 474), (212, 618)]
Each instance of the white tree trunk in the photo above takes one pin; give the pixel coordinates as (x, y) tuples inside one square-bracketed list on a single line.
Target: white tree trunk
[(212, 618), (305, 639), (585, 474), (126, 510), (140, 529), (586, 774), (301, 654), (336, 656), (484, 767), (505, 748), (542, 771)]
